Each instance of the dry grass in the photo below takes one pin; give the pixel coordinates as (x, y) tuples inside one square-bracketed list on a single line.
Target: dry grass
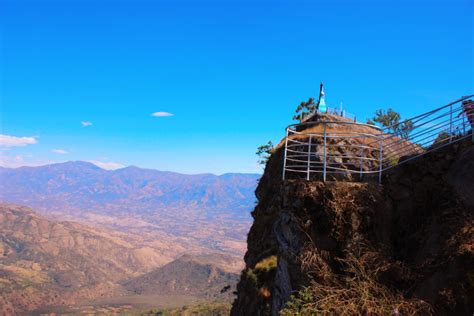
[(348, 285), (340, 205), (24, 276), (314, 262), (259, 274), (354, 291)]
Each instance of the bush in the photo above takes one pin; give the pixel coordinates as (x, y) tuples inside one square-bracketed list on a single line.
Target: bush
[(267, 264), (250, 274), (353, 292), (260, 273)]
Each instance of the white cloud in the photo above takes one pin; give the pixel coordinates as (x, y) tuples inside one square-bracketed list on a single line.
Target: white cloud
[(162, 114), (60, 151), (13, 141), (109, 165), (86, 123)]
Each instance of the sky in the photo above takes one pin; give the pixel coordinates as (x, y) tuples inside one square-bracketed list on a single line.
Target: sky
[(197, 86)]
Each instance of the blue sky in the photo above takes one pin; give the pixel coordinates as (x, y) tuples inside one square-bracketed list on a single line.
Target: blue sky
[(230, 72)]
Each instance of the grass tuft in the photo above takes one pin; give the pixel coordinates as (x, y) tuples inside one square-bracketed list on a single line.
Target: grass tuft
[(355, 291)]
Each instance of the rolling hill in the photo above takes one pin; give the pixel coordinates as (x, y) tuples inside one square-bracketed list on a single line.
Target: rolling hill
[(62, 262), (188, 275), (50, 263)]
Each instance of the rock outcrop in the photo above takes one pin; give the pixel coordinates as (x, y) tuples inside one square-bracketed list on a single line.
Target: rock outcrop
[(405, 246)]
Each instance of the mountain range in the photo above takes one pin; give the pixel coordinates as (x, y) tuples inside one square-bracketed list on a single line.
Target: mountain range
[(84, 186), (188, 211)]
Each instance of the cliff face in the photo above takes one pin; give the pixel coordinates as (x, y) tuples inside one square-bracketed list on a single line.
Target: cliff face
[(406, 245)]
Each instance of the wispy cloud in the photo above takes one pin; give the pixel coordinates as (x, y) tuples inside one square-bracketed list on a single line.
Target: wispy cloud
[(86, 123), (60, 151), (14, 141), (109, 165), (162, 114)]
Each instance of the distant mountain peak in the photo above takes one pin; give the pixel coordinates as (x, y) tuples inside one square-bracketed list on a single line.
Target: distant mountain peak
[(81, 185), (74, 164)]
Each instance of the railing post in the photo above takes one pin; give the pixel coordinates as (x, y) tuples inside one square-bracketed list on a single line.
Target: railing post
[(450, 123), (380, 156), (284, 159), (463, 125), (325, 155), (309, 158), (362, 157), (471, 113), (467, 119)]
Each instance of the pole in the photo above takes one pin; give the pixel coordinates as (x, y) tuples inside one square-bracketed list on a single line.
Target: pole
[(450, 123), (284, 159), (380, 157), (324, 163), (463, 125), (361, 157), (309, 158)]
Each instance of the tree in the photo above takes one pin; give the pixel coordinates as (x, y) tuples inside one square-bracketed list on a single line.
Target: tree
[(386, 119), (304, 108), (264, 152), (390, 119), (404, 129), (442, 137), (370, 122)]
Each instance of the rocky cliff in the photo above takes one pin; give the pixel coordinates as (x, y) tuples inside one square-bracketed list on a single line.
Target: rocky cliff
[(405, 246)]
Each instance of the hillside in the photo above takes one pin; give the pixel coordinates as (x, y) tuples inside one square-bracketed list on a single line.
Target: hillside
[(82, 254), (49, 263), (55, 262), (186, 275), (405, 246)]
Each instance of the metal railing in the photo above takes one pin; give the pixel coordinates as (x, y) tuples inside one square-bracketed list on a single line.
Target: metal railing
[(342, 113), (322, 149), (425, 133), (329, 110)]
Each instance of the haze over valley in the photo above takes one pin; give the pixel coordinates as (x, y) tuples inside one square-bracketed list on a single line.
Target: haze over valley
[(73, 231)]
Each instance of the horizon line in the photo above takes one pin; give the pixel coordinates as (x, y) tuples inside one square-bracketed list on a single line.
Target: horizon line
[(129, 166)]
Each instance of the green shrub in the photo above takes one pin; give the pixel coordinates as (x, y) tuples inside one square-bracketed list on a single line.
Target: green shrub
[(267, 264), (250, 274), (297, 305)]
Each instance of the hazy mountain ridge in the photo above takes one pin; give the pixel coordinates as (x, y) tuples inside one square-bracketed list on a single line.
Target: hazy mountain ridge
[(190, 212), (82, 185)]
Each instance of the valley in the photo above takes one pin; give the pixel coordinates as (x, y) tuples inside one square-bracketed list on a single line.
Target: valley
[(94, 241), (188, 211)]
